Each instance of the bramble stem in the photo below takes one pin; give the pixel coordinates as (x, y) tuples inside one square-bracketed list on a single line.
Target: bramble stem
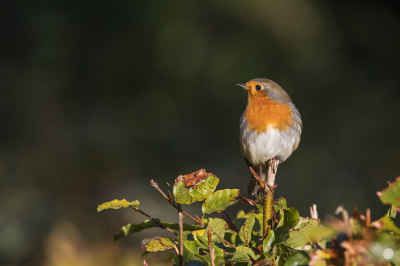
[(269, 194)]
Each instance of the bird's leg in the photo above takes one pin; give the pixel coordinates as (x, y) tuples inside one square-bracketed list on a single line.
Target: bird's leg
[(269, 194)]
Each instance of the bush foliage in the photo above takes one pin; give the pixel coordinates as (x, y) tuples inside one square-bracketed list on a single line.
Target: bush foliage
[(293, 240)]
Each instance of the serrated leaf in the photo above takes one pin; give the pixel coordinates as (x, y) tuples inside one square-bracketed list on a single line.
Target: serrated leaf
[(217, 227), (267, 243), (391, 194), (289, 218), (242, 254), (299, 236), (220, 200), (157, 243), (386, 223), (198, 192), (246, 229), (118, 204)]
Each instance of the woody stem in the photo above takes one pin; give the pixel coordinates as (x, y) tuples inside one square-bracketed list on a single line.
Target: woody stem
[(269, 194)]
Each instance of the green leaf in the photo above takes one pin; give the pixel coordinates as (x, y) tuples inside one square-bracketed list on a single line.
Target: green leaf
[(186, 227), (220, 200), (145, 253), (386, 223), (391, 194), (217, 227), (231, 238), (203, 242), (242, 254), (133, 228), (280, 204), (283, 254), (198, 192), (246, 229), (299, 258), (267, 244), (299, 236), (157, 243), (289, 218), (118, 204), (191, 246)]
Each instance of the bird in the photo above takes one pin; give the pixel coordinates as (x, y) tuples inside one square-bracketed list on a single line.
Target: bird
[(270, 127)]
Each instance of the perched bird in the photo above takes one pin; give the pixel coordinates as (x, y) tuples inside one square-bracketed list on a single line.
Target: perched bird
[(270, 127)]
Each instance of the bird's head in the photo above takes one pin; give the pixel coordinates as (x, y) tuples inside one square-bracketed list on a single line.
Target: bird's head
[(265, 88)]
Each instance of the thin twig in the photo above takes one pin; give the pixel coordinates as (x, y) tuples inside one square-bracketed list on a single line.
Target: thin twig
[(173, 204), (176, 249), (260, 182), (212, 255), (346, 222), (226, 243), (154, 220), (229, 221), (368, 218)]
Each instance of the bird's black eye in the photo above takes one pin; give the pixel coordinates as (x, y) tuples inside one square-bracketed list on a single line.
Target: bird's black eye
[(258, 87)]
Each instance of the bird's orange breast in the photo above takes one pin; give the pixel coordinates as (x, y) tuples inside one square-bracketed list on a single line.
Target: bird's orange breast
[(262, 112)]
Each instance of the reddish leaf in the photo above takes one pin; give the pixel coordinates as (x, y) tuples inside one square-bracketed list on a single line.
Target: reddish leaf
[(193, 178)]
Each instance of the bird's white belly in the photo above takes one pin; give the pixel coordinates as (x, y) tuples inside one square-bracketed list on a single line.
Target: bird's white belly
[(258, 148)]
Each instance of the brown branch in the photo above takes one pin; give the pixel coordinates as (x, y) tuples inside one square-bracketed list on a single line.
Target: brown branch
[(260, 182), (226, 243), (175, 205), (229, 221), (154, 220), (176, 249), (212, 255)]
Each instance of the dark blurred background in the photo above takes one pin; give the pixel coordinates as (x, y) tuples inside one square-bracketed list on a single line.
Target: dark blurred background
[(99, 97)]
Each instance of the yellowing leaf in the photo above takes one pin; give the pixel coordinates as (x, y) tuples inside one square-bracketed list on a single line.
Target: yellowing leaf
[(157, 243), (118, 204)]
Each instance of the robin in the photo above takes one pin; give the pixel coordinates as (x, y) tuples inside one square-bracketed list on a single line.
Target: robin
[(270, 127)]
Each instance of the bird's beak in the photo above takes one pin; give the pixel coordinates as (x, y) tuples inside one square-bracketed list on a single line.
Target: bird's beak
[(243, 85)]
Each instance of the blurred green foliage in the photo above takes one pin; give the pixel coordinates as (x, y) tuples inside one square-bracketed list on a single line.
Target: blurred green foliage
[(97, 98)]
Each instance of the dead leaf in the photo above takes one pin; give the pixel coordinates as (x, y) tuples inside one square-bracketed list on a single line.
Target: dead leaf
[(193, 178)]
